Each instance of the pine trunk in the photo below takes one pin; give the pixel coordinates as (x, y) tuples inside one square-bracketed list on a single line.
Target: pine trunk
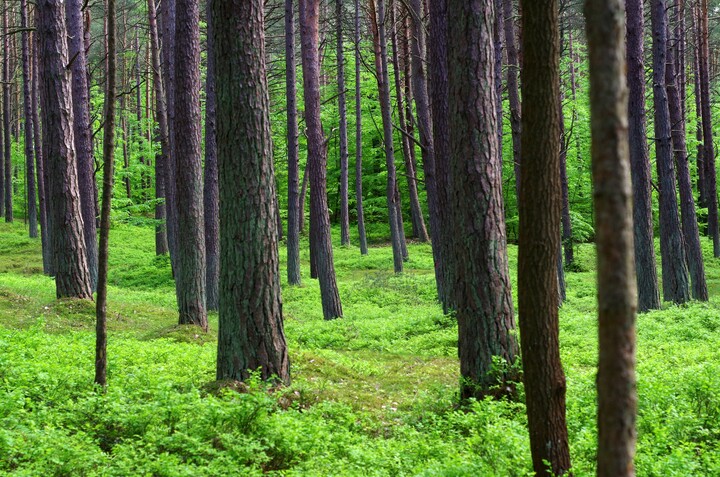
[(210, 188), (27, 104), (293, 234), (358, 138), (342, 112)]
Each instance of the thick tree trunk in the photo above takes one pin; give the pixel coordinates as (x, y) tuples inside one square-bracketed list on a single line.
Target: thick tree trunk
[(82, 131), (513, 89), (190, 276), (108, 180), (72, 277), (210, 191), (540, 207), (377, 23), (342, 112), (251, 335), (612, 197), (7, 138), (358, 138), (675, 280), (293, 234), (498, 30), (645, 265), (482, 297), (27, 104), (317, 160)]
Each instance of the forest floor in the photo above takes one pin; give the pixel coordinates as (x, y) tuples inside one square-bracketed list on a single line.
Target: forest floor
[(373, 393)]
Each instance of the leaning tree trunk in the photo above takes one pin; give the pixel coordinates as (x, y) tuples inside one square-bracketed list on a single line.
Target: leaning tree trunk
[(358, 137), (675, 280), (482, 296), (250, 335), (210, 187), (72, 277), (612, 197), (645, 266), (293, 234), (342, 112), (317, 160), (190, 276), (539, 238), (27, 103)]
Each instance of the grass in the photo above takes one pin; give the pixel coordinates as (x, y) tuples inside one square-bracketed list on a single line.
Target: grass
[(373, 393)]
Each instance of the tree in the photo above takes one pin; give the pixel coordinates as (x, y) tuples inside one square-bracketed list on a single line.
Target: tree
[(7, 139), (617, 293), (358, 138), (513, 89), (190, 273), (251, 332), (317, 161), (539, 238), (342, 112), (293, 234), (482, 298), (72, 277), (210, 188), (675, 278), (27, 103), (108, 180), (646, 271)]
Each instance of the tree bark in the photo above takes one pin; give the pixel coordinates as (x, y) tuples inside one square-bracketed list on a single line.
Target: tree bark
[(645, 264), (513, 89), (317, 160), (190, 276), (699, 161), (539, 238), (210, 190), (612, 197), (27, 104), (251, 335), (358, 138), (293, 234), (40, 166), (342, 112), (7, 138)]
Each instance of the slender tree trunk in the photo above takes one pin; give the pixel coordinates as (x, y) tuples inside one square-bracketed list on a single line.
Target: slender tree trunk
[(645, 265), (108, 172), (358, 138), (513, 89), (540, 207), (377, 23), (342, 112), (612, 197), (39, 165), (72, 277), (27, 103), (700, 162), (675, 280), (567, 241), (82, 132), (251, 335), (317, 160), (303, 196), (7, 138), (482, 296), (293, 234), (211, 191), (190, 276)]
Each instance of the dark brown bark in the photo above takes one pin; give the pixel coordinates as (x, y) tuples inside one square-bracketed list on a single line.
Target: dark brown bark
[(377, 23), (567, 241), (358, 138), (612, 197), (645, 265), (40, 166), (293, 234), (251, 335), (700, 162), (342, 112), (498, 30), (210, 189), (539, 238), (82, 132), (72, 277), (108, 180), (27, 104), (513, 69), (481, 286), (190, 273), (7, 138), (675, 280), (317, 160)]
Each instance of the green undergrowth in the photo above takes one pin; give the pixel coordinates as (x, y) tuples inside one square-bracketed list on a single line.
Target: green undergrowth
[(373, 393)]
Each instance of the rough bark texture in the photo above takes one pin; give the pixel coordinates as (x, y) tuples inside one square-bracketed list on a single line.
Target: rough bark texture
[(108, 180), (40, 166), (342, 112), (317, 160), (7, 139), (250, 335), (210, 189), (377, 23), (82, 131), (539, 238), (645, 265), (27, 105), (481, 286), (190, 275), (358, 138), (72, 277), (612, 196), (513, 89), (675, 280)]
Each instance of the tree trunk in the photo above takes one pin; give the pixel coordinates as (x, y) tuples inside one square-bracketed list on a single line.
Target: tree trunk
[(211, 191), (700, 162), (645, 265), (250, 335), (675, 278), (40, 165), (7, 139), (513, 69), (540, 207), (108, 180), (482, 297), (342, 112), (317, 160), (377, 23), (498, 30), (612, 197), (358, 138), (72, 277), (82, 132), (567, 241), (27, 103), (293, 234), (190, 276)]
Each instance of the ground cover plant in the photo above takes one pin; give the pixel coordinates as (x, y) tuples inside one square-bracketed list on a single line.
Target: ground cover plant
[(374, 393)]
